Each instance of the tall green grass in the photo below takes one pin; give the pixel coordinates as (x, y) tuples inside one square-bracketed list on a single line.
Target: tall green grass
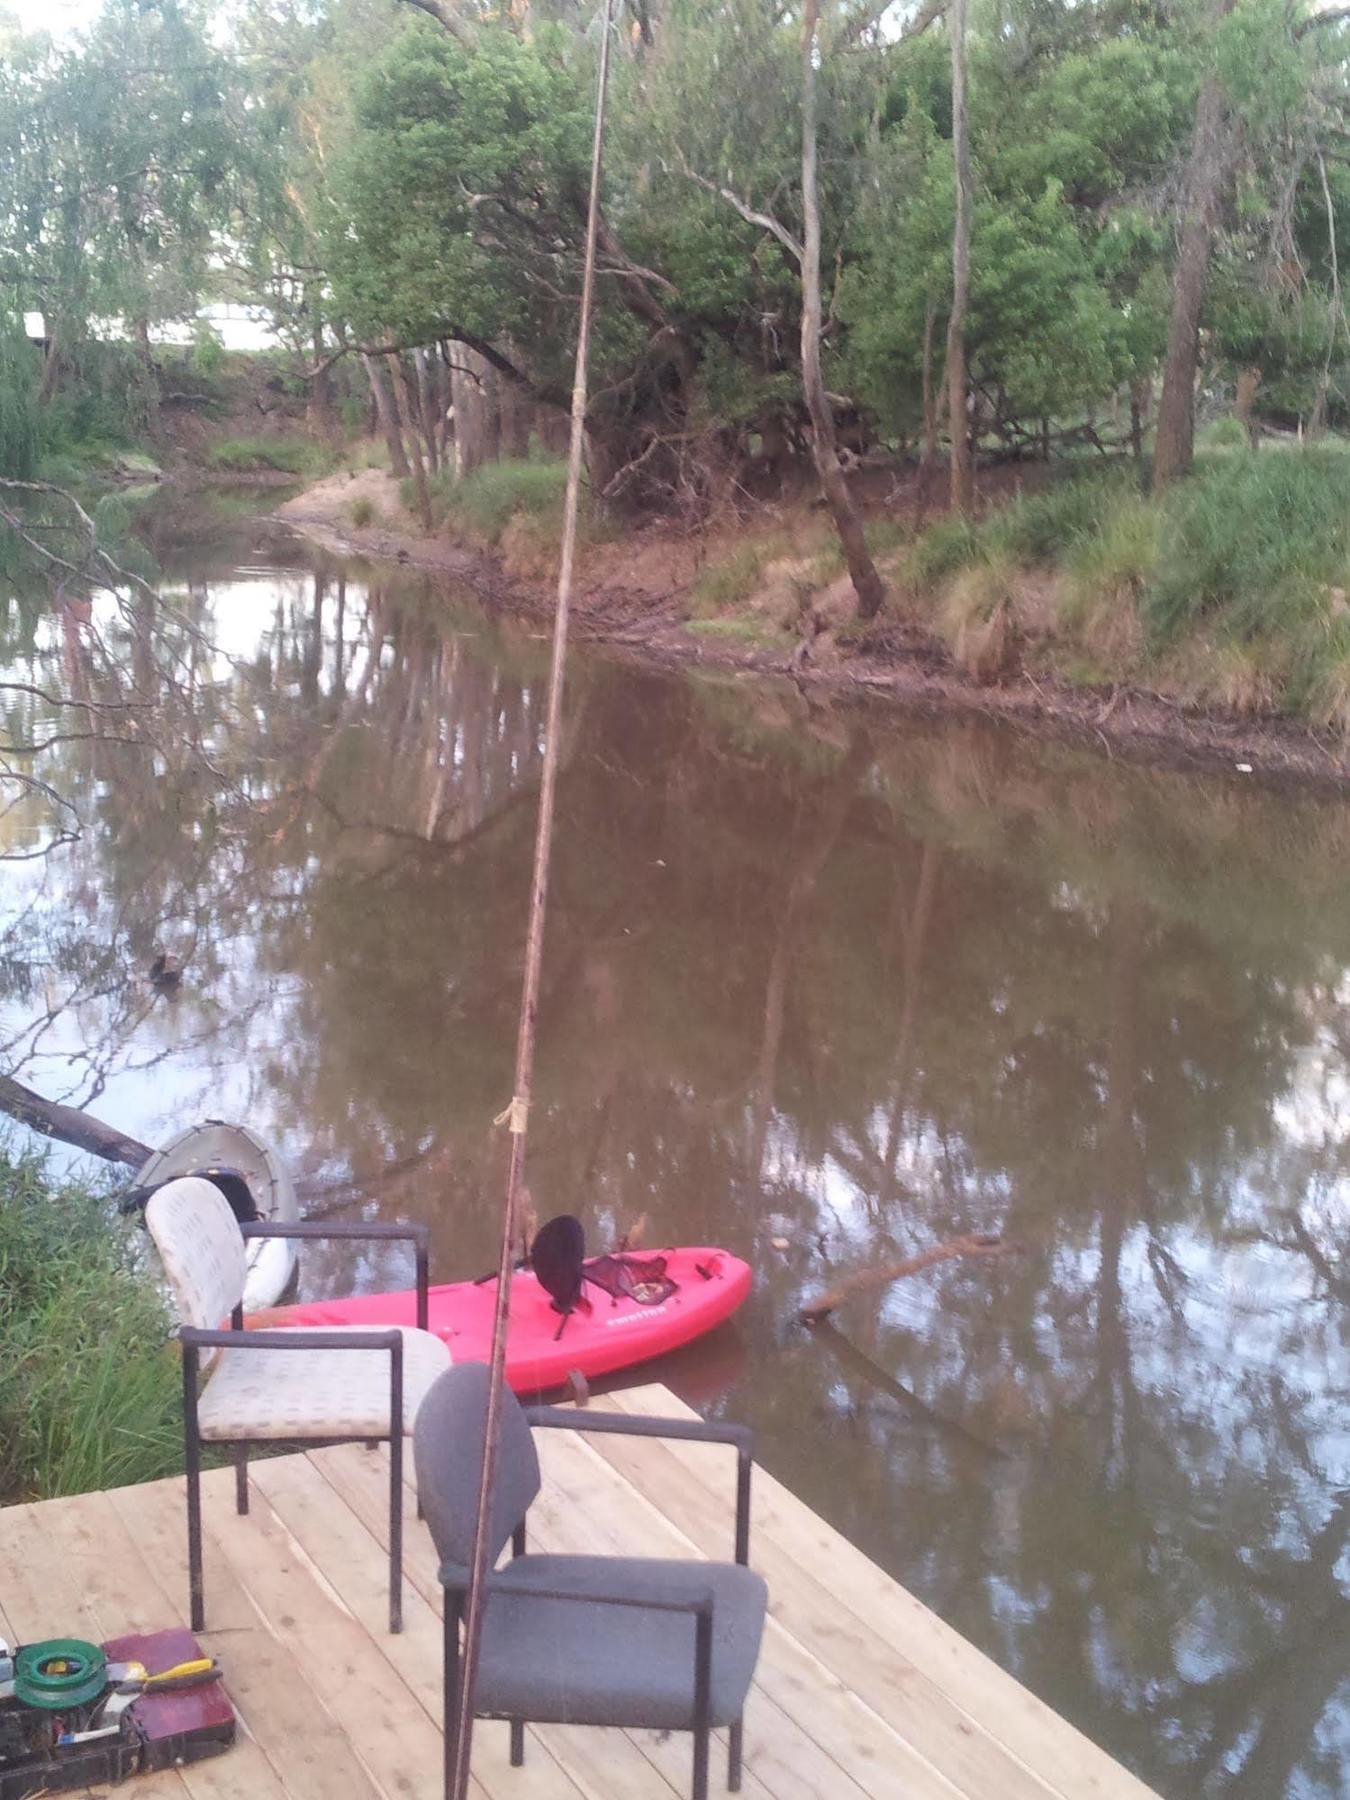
[(1249, 540), (89, 1382), (485, 503)]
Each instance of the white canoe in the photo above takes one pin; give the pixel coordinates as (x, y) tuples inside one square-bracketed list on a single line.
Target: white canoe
[(246, 1169)]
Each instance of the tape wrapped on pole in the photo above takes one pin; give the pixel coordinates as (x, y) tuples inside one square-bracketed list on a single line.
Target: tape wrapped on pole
[(517, 1114)]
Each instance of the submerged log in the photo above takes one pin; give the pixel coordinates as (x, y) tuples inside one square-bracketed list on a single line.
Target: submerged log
[(971, 1244), (69, 1124)]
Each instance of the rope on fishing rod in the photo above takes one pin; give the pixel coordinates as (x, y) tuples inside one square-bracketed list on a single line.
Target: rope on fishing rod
[(517, 1114)]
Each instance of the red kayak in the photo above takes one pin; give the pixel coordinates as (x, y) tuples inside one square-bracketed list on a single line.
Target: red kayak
[(608, 1331)]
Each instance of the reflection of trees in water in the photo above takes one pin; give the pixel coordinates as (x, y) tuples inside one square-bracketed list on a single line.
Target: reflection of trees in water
[(856, 987)]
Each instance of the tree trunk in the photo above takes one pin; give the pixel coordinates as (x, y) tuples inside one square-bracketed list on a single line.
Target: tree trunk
[(468, 402), (403, 388), (932, 395), (1247, 383), (963, 473), (1207, 175), (867, 584), (145, 356), (387, 407), (322, 419), (426, 408), (515, 410), (492, 414)]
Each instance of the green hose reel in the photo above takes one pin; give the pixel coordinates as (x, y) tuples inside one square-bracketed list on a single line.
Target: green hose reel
[(59, 1673)]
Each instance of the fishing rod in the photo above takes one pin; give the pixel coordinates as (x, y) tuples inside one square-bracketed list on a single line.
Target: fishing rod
[(516, 1116)]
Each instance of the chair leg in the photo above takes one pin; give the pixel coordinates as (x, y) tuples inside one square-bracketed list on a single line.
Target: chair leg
[(517, 1743), (241, 1478), (192, 1460), (734, 1756), (396, 1532), (451, 1689), (700, 1787)]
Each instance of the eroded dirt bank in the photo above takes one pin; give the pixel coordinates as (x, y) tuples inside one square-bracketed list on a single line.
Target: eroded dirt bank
[(633, 596)]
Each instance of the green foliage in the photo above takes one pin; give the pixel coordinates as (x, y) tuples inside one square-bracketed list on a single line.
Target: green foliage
[(362, 511), (89, 1384), (208, 351)]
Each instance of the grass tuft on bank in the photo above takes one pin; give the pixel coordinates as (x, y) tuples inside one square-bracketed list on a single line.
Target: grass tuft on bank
[(269, 455), (1232, 591), (89, 1381)]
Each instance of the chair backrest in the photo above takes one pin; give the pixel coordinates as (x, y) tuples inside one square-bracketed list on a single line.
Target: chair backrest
[(199, 1243), (448, 1450)]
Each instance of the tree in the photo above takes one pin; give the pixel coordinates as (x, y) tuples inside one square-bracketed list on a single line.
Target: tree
[(958, 393), (867, 584)]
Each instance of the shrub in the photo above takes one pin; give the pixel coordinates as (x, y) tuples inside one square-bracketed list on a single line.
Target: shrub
[(89, 1386), (362, 511)]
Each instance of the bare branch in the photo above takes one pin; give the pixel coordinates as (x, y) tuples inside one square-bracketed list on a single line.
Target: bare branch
[(859, 24), (445, 18), (764, 220)]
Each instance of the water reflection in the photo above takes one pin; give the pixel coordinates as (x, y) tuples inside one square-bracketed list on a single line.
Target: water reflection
[(838, 979)]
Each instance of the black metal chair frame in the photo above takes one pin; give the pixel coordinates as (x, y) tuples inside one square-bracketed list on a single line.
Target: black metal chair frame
[(194, 1340), (455, 1581)]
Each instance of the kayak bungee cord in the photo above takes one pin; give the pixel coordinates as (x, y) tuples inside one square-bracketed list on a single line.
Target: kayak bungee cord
[(516, 1115)]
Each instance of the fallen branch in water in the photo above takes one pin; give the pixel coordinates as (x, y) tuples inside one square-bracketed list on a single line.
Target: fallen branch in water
[(69, 1124), (972, 1244)]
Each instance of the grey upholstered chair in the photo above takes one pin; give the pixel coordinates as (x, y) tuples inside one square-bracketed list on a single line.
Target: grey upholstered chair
[(583, 1640), (284, 1386)]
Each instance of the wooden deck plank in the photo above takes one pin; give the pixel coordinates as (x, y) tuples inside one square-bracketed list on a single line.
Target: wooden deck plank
[(861, 1691), (283, 1712), (829, 1748), (835, 1746), (608, 1762), (352, 1559), (932, 1731), (600, 1763), (604, 1763), (387, 1730), (100, 1556), (888, 1647), (41, 1600)]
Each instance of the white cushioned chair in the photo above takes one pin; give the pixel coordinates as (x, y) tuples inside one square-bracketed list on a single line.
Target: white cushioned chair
[(362, 1382)]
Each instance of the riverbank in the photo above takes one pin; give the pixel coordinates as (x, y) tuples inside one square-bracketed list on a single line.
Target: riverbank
[(1073, 607)]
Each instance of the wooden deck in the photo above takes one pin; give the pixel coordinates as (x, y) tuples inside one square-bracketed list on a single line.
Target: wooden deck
[(861, 1690)]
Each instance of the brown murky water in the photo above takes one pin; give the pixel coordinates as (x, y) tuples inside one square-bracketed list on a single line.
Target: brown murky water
[(847, 980)]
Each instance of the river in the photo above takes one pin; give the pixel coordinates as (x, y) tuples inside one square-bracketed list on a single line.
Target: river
[(823, 984)]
